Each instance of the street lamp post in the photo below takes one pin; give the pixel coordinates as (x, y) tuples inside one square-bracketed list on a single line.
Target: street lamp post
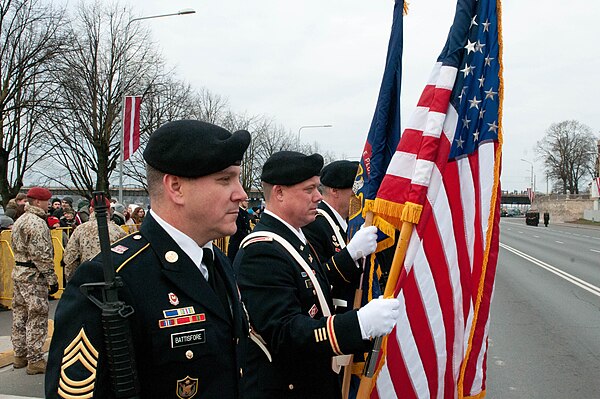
[(530, 163), (185, 11), (309, 127)]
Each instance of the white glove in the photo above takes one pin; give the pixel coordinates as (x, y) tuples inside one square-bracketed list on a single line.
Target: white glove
[(363, 243), (378, 317)]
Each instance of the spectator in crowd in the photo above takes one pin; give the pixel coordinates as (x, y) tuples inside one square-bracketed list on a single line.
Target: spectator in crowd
[(6, 222), (137, 217), (118, 214), (84, 243), (54, 223), (55, 208), (21, 199), (11, 209), (83, 211), (33, 280), (68, 220)]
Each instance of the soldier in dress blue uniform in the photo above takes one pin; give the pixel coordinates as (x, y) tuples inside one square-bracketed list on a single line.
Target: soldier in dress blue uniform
[(327, 234), (189, 328), (296, 339)]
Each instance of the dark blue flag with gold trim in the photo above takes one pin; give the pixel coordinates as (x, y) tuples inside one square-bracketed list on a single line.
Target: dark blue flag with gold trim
[(380, 146)]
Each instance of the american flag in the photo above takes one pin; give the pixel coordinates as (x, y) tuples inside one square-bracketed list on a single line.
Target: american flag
[(448, 162), (131, 125)]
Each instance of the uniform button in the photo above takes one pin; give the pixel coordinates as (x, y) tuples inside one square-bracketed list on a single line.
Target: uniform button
[(241, 372), (291, 386), (237, 341), (189, 354)]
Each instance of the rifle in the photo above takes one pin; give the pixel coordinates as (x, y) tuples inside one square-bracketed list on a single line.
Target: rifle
[(117, 334)]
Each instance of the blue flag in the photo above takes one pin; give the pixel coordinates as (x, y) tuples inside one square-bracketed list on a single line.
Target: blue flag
[(380, 146)]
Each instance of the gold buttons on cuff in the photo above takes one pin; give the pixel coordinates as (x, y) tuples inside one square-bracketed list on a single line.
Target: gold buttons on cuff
[(189, 354), (291, 386)]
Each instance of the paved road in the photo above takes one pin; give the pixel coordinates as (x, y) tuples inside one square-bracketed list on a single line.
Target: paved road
[(545, 328)]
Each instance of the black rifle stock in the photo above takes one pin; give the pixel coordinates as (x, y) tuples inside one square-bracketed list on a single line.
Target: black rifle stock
[(117, 334)]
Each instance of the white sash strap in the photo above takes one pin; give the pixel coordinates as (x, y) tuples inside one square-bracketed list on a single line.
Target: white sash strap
[(334, 227), (337, 361)]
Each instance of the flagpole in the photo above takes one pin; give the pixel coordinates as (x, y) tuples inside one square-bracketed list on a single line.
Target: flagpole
[(366, 380), (356, 304), (122, 154)]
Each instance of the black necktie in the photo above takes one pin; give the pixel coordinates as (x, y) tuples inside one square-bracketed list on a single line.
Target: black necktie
[(215, 280)]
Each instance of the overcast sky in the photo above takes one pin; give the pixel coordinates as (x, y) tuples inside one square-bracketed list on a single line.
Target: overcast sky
[(320, 62)]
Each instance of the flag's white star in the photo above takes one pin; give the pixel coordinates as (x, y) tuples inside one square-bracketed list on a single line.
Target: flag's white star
[(481, 80), (468, 69), (476, 135), (470, 46), (473, 21), (486, 25), (490, 94), (459, 142), (481, 112), (479, 46), (466, 122), (474, 102), (462, 92), (488, 60), (493, 127)]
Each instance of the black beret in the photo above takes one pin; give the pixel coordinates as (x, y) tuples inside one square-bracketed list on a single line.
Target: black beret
[(290, 167), (339, 174), (190, 148)]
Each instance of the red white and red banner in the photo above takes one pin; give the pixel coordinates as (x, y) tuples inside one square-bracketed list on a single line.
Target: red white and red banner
[(530, 194), (131, 125)]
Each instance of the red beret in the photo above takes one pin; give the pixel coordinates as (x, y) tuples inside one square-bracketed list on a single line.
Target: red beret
[(39, 193), (52, 220)]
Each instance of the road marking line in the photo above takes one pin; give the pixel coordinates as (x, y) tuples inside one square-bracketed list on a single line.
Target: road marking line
[(536, 236), (559, 242), (564, 275), (595, 250)]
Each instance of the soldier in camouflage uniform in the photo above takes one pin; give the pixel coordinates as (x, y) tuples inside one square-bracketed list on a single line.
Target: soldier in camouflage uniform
[(34, 279), (84, 244)]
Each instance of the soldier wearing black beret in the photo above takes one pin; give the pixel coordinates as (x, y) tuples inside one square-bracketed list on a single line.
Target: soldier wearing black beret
[(296, 338), (327, 234), (189, 330)]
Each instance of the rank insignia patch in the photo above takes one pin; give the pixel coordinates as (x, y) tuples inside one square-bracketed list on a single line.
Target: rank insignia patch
[(187, 387), (308, 283), (313, 311), (180, 321), (173, 300), (310, 258), (178, 312), (120, 249), (79, 355)]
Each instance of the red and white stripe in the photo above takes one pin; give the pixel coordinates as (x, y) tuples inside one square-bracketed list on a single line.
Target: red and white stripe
[(131, 125), (439, 346)]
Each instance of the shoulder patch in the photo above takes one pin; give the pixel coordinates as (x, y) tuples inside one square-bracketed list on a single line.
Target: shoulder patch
[(127, 248)]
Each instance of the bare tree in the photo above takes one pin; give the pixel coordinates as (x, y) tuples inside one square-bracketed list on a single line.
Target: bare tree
[(568, 153), (111, 58), (30, 39)]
